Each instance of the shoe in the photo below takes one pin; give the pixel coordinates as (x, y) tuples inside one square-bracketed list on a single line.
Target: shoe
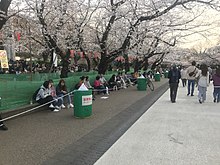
[(192, 94), (51, 106), (200, 101), (63, 106), (214, 100), (4, 128), (56, 110), (57, 107), (188, 94), (173, 101), (71, 105)]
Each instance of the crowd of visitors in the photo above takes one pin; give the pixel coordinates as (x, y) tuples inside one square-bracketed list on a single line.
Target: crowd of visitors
[(23, 66), (197, 76)]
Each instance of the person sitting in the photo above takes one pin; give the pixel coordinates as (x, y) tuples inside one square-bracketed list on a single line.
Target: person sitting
[(44, 96), (61, 91), (82, 80), (133, 77), (103, 80), (126, 79), (99, 86), (121, 81), (88, 85), (113, 82), (54, 95)]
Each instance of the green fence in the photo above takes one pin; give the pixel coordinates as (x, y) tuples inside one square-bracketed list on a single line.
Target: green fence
[(17, 90)]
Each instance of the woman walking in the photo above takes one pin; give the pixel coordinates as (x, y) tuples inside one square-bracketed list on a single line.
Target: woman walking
[(203, 81), (216, 83)]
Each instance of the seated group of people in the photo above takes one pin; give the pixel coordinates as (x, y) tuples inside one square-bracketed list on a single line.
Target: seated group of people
[(101, 85), (48, 93)]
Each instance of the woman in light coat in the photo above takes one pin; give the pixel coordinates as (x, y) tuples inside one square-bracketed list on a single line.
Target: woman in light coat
[(203, 81)]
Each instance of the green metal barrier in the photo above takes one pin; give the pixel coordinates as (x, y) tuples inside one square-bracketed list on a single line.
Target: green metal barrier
[(17, 90)]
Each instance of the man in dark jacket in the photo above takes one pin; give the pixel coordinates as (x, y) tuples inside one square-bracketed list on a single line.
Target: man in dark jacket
[(174, 76)]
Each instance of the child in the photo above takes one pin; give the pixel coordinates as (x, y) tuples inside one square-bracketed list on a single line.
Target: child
[(216, 83)]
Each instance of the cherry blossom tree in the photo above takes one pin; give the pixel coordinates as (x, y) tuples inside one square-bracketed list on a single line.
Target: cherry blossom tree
[(139, 12)]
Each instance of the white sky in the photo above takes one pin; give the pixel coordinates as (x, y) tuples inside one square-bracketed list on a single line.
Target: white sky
[(208, 38)]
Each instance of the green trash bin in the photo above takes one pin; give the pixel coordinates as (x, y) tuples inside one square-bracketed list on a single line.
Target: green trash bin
[(157, 76), (141, 84), (166, 74), (82, 103)]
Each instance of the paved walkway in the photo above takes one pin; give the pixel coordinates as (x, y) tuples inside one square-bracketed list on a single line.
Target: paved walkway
[(181, 133)]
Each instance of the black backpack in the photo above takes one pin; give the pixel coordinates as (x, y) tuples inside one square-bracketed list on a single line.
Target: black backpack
[(35, 95)]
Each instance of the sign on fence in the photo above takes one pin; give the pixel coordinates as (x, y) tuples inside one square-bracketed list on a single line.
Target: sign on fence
[(3, 59)]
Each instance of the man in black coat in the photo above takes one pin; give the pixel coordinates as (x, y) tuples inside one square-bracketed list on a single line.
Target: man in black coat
[(174, 76)]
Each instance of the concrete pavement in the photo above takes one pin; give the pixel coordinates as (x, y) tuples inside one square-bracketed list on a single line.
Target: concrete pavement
[(181, 133)]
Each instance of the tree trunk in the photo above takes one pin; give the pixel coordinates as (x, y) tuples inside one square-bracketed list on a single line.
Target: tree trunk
[(65, 63), (103, 64), (4, 5), (87, 59), (154, 65), (88, 63), (136, 65), (146, 64), (65, 68), (127, 65)]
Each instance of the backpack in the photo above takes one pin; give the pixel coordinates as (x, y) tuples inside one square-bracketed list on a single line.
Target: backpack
[(35, 95)]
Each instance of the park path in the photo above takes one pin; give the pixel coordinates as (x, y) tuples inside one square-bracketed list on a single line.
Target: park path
[(185, 132)]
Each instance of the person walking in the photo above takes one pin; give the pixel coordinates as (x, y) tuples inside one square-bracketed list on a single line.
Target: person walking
[(203, 82), (191, 76), (216, 83), (174, 76), (183, 76)]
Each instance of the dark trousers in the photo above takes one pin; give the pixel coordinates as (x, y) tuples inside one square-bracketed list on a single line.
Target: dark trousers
[(101, 88), (173, 91), (184, 82), (48, 99), (45, 100), (191, 82), (216, 94)]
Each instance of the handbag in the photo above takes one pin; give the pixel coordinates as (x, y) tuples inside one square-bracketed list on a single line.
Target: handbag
[(192, 73)]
